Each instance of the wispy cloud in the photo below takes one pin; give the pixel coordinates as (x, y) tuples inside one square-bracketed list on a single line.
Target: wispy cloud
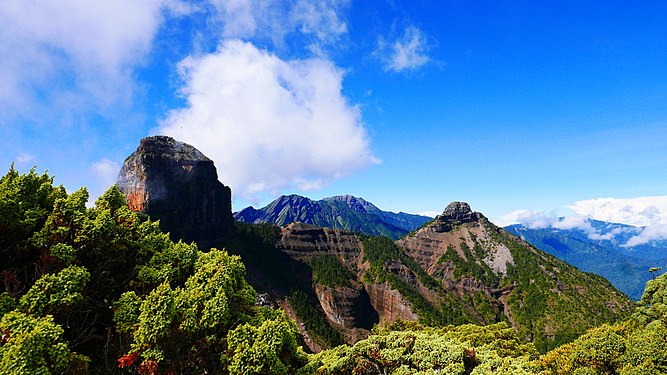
[(24, 158), (318, 22), (640, 211), (408, 51), (653, 232), (269, 123), (647, 212)]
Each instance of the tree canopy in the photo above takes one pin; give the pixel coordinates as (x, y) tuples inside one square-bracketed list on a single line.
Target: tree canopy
[(102, 289)]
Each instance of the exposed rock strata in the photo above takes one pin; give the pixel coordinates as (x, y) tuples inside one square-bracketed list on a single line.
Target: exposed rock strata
[(175, 183), (352, 309)]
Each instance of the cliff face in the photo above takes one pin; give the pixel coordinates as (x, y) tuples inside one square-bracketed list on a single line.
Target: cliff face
[(354, 307), (175, 183), (497, 276), (458, 269)]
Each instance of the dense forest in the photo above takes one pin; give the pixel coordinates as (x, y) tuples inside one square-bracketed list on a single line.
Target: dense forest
[(102, 290)]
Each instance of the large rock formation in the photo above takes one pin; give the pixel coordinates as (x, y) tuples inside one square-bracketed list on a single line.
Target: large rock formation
[(496, 276), (175, 183)]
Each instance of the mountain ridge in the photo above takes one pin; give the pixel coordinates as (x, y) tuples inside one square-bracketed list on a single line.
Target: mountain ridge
[(625, 267), (340, 212), (457, 268), (460, 268)]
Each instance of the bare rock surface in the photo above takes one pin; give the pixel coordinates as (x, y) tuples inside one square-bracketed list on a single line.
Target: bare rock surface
[(175, 183)]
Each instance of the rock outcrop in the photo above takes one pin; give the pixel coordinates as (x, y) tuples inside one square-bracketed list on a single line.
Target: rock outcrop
[(460, 268), (456, 213), (175, 183)]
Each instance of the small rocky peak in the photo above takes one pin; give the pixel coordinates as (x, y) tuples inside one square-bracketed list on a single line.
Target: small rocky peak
[(456, 213), (175, 183), (459, 212), (167, 147)]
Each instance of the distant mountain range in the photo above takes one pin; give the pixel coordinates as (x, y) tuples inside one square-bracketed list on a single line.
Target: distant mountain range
[(605, 254), (339, 212), (625, 267)]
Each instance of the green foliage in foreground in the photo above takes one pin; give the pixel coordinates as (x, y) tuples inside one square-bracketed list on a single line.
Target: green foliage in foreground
[(414, 349), (99, 290)]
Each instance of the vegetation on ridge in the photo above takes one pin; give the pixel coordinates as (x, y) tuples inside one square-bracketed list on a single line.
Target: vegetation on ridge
[(103, 290)]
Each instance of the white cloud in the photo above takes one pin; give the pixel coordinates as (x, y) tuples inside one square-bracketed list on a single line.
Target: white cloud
[(64, 54), (640, 211), (25, 157), (104, 173), (543, 220), (275, 19), (269, 123), (649, 213), (652, 232), (407, 52)]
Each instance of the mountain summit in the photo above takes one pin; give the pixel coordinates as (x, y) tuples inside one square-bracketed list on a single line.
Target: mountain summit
[(339, 212), (175, 183)]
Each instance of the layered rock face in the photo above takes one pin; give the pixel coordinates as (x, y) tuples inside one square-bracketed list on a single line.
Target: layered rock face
[(175, 183), (496, 276), (458, 269), (354, 308)]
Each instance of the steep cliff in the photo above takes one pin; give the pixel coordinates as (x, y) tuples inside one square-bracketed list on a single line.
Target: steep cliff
[(458, 269), (175, 183)]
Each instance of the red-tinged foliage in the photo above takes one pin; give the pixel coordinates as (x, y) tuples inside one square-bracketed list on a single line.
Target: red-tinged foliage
[(148, 368), (128, 359)]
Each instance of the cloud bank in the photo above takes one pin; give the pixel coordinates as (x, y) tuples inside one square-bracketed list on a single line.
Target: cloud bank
[(648, 213), (640, 211), (269, 123), (543, 220)]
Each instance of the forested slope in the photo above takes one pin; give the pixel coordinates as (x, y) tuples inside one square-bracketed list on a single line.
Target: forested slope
[(103, 290)]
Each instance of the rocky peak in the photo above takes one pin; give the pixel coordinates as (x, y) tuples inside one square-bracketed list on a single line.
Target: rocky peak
[(456, 213), (175, 183), (167, 147), (459, 212)]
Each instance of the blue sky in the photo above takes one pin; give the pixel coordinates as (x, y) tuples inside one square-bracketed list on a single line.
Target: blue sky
[(513, 106)]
